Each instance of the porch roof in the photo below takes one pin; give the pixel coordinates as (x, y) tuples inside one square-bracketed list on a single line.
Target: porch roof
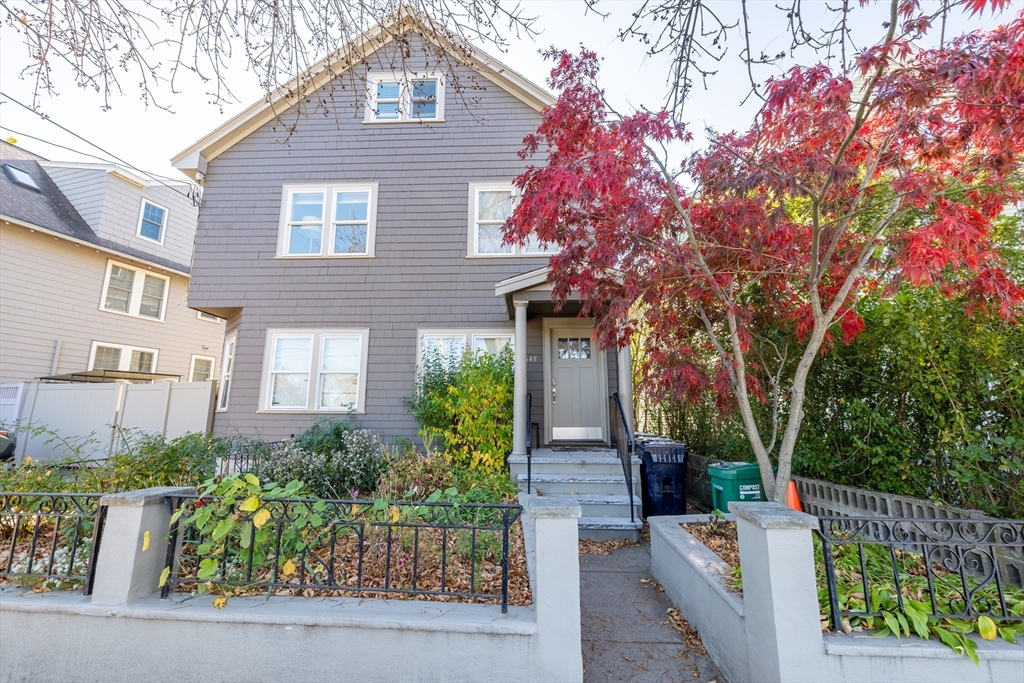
[(533, 287)]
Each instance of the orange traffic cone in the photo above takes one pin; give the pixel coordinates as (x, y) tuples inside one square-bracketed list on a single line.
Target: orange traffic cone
[(792, 498)]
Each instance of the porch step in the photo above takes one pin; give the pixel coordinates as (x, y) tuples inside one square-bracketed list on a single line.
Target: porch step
[(590, 463), (589, 484), (608, 528), (608, 506)]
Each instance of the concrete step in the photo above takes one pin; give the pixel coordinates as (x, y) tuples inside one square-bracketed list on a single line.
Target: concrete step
[(590, 463), (590, 484), (608, 506), (608, 528)]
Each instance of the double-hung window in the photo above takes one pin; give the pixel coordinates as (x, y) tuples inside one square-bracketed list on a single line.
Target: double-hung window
[(106, 356), (132, 291), (328, 221), (227, 366), (448, 346), (315, 370), (490, 206), (152, 221), (201, 369), (396, 98)]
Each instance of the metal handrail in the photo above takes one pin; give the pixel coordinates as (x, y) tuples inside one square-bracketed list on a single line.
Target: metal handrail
[(624, 445), (529, 443)]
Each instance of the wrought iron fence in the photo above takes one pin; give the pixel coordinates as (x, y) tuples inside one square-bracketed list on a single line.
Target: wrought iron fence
[(956, 568), (246, 457), (343, 547), (622, 440), (50, 538)]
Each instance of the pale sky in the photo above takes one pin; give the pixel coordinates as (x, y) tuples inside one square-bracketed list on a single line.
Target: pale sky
[(149, 137)]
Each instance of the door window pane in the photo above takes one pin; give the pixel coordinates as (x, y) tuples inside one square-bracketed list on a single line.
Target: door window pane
[(573, 348), (107, 358), (152, 297), (119, 289)]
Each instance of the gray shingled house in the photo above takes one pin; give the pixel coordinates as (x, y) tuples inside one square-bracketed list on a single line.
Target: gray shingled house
[(343, 236)]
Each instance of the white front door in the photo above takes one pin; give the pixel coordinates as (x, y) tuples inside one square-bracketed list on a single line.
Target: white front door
[(576, 398)]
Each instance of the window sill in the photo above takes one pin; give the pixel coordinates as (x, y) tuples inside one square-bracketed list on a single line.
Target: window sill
[(316, 257), (508, 256), (375, 122), (306, 411), (131, 315)]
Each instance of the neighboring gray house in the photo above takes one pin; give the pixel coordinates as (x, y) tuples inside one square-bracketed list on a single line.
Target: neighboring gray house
[(94, 269), (343, 242)]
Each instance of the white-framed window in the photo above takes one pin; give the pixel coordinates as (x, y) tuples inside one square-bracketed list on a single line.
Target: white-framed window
[(152, 221), (490, 206), (396, 98), (320, 370), (132, 291), (109, 356), (201, 369), (203, 315), (328, 220), (450, 345), (227, 367)]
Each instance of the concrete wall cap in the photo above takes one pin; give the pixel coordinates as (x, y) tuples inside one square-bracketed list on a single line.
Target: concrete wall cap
[(773, 516), (553, 506), (143, 497)]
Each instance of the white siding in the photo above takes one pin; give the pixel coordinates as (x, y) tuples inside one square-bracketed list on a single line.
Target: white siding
[(51, 290)]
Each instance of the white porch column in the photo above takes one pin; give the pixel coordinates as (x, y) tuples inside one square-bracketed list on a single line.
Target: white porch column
[(519, 425), (626, 384)]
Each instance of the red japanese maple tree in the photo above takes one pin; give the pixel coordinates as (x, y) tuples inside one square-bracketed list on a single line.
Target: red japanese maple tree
[(844, 183)]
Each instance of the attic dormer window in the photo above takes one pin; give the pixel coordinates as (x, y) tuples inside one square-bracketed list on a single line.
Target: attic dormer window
[(21, 177), (396, 99)]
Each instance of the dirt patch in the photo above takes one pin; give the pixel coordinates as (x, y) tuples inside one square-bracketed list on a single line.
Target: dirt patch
[(720, 538), (603, 547)]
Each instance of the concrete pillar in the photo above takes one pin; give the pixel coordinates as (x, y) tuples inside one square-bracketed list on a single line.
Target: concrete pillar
[(626, 385), (780, 599), (556, 596), (128, 568), (519, 425)]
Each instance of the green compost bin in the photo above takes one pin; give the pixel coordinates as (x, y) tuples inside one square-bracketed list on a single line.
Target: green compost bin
[(735, 481)]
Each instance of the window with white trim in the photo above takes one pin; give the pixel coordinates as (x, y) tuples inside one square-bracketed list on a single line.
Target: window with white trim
[(152, 221), (227, 366), (315, 370), (394, 98), (450, 345), (133, 291), (201, 369), (106, 356), (490, 206), (328, 220)]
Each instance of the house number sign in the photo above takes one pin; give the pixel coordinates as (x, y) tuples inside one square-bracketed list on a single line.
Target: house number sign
[(531, 359)]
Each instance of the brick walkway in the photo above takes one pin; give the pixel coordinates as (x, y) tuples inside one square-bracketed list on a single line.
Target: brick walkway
[(626, 634)]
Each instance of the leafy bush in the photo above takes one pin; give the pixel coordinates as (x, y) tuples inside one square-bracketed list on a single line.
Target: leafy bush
[(414, 477), (143, 460), (468, 406), (335, 462)]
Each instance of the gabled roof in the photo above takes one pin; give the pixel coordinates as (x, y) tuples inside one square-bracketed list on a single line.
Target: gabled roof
[(406, 20), (49, 211)]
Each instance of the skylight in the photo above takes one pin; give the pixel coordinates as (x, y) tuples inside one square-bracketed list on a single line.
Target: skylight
[(21, 177)]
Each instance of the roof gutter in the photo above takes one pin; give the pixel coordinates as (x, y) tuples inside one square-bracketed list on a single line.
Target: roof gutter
[(92, 245)]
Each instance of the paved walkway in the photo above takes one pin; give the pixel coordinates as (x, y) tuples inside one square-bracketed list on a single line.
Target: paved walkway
[(626, 633)]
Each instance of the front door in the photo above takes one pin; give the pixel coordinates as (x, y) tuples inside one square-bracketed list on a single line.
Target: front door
[(576, 394)]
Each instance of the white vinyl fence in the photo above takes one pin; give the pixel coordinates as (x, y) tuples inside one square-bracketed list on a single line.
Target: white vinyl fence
[(91, 416)]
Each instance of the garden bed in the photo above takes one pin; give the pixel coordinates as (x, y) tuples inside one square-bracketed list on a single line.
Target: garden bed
[(719, 536)]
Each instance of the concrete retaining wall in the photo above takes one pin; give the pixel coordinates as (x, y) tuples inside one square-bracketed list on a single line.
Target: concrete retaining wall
[(778, 636), (128, 634)]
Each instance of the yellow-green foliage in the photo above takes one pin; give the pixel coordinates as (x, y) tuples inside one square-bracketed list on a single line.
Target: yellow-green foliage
[(470, 407)]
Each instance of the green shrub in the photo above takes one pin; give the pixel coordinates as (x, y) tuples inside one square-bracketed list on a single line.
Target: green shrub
[(353, 466), (414, 477), (468, 406), (326, 436)]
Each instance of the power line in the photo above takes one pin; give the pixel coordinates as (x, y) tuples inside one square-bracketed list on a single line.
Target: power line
[(189, 196)]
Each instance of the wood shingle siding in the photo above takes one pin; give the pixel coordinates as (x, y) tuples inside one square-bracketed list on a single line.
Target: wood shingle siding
[(420, 277)]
